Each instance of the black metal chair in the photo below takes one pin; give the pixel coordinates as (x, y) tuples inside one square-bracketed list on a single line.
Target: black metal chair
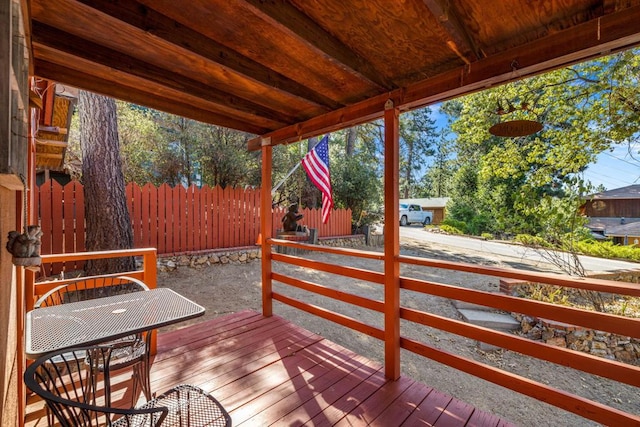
[(61, 380), (134, 349)]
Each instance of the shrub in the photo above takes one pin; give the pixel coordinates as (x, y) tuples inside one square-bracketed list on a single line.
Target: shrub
[(450, 222), (449, 229), (487, 236), (529, 240)]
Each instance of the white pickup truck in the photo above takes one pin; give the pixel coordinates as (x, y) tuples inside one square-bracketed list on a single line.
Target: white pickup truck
[(414, 213)]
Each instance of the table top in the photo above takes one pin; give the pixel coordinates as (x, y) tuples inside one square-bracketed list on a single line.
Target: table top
[(103, 319)]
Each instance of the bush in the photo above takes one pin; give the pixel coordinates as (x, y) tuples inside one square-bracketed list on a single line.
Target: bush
[(529, 240), (450, 229), (487, 236), (450, 222)]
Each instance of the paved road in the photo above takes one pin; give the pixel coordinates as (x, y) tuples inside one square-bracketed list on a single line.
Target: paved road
[(519, 252)]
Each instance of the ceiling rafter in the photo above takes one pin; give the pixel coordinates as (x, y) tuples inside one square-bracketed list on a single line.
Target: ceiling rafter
[(461, 43), (290, 19), (591, 39), (150, 21), (52, 38), (173, 105)]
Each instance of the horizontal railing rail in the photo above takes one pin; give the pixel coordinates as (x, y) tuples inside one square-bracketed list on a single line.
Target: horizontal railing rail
[(605, 368)]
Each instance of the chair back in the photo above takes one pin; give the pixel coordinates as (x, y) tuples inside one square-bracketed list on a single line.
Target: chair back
[(62, 381), (90, 288)]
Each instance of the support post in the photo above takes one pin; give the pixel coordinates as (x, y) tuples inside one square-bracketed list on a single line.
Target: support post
[(391, 242), (266, 226)]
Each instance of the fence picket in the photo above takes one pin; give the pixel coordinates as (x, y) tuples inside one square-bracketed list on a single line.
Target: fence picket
[(173, 220)]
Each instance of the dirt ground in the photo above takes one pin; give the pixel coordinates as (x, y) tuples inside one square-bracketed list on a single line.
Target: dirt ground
[(228, 288)]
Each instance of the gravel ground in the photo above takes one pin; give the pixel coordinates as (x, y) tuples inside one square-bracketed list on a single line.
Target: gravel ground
[(228, 288)]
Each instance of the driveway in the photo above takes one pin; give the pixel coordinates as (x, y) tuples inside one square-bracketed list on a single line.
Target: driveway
[(505, 249)]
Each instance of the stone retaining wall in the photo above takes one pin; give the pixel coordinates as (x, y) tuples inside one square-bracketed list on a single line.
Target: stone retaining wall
[(598, 343), (241, 255)]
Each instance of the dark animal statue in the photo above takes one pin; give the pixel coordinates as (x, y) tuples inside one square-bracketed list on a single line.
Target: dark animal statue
[(291, 218)]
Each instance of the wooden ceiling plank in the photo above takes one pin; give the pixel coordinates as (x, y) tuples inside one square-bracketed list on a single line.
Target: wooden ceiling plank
[(56, 156), (611, 33), (51, 143), (172, 105), (289, 19), (45, 35), (461, 43), (150, 21), (86, 69), (56, 130)]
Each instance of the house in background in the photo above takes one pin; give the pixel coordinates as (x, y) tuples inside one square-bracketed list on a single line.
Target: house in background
[(438, 205), (615, 213)]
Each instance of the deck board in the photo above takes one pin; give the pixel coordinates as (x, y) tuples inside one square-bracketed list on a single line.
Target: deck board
[(267, 371)]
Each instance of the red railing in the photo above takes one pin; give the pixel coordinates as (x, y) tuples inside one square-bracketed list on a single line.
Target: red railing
[(172, 219), (600, 366)]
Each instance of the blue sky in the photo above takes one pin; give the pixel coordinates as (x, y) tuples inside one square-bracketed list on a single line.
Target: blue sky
[(615, 169)]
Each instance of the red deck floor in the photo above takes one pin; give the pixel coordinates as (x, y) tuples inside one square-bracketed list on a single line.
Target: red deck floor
[(267, 371)]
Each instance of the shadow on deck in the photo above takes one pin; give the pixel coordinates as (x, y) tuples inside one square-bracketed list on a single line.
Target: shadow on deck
[(268, 371)]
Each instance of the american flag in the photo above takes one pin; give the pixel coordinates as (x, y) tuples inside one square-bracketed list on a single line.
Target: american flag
[(316, 163)]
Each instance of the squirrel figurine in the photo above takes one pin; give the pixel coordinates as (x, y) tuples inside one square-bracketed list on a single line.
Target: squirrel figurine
[(25, 245)]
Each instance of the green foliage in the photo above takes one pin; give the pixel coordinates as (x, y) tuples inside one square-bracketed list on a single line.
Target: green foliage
[(608, 250), (529, 240), (450, 229), (452, 222), (487, 236), (531, 184)]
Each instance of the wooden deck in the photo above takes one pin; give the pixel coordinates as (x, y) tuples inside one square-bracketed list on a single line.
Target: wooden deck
[(267, 371)]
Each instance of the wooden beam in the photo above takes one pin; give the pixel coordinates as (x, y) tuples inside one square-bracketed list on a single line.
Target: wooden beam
[(460, 42), (52, 38), (595, 38), (288, 18), (53, 156), (51, 143), (150, 21), (95, 84), (57, 130)]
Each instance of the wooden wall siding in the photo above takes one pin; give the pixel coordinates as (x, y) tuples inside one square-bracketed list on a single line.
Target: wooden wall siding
[(173, 220), (613, 208)]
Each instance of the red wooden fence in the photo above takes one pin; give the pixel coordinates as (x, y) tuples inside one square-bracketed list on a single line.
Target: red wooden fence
[(173, 220)]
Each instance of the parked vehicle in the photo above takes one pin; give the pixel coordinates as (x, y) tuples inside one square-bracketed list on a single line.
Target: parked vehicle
[(413, 213)]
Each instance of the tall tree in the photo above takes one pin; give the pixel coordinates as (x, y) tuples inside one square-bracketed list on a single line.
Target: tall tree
[(108, 225), (417, 135)]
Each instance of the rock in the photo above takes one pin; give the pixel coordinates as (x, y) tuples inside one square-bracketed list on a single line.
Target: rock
[(171, 265), (214, 259), (557, 341), (224, 259), (184, 260), (598, 345), (624, 356), (201, 260), (547, 334), (243, 257), (234, 257)]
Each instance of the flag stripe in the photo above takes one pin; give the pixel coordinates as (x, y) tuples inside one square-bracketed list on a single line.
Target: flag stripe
[(316, 164)]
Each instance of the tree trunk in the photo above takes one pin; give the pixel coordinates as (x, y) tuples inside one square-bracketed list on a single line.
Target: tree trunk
[(108, 225), (352, 133)]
